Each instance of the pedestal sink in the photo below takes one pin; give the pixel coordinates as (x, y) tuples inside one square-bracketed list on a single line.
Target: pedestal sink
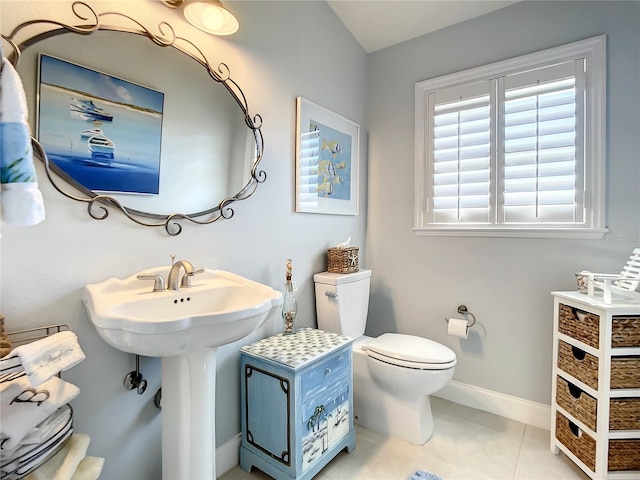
[(184, 327)]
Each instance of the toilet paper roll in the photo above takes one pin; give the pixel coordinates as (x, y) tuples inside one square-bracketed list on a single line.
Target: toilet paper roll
[(458, 327)]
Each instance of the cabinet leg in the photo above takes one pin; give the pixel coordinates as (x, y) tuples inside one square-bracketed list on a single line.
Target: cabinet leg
[(351, 442), (244, 463)]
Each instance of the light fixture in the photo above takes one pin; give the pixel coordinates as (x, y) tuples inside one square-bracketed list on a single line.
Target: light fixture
[(207, 15)]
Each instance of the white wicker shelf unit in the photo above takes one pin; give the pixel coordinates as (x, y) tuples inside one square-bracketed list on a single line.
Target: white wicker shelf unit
[(595, 408)]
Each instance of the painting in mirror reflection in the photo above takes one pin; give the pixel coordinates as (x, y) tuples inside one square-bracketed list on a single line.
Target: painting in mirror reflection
[(101, 130)]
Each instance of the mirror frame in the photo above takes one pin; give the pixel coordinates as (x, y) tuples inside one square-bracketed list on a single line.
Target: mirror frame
[(99, 205)]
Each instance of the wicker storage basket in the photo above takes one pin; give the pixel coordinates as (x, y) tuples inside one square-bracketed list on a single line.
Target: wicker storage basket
[(624, 414), (579, 364), (587, 330), (577, 441), (623, 454), (575, 401), (625, 371), (343, 260), (625, 332)]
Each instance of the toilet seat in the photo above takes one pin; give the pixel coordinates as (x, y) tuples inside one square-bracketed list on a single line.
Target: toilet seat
[(410, 351)]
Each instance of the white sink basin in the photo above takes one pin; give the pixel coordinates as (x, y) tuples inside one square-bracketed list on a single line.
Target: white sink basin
[(219, 308), (184, 327)]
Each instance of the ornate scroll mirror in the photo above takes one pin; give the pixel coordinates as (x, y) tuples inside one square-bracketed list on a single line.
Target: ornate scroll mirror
[(210, 145)]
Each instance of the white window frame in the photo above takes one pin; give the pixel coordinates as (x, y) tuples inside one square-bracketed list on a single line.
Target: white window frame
[(593, 50)]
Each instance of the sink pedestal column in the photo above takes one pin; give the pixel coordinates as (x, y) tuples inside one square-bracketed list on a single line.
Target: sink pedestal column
[(188, 416)]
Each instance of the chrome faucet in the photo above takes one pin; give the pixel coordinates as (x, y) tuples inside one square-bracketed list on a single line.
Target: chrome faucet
[(158, 285), (174, 274)]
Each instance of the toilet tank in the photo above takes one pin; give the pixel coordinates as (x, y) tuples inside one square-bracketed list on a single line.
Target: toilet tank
[(342, 302)]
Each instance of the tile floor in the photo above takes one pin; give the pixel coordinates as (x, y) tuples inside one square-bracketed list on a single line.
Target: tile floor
[(467, 444)]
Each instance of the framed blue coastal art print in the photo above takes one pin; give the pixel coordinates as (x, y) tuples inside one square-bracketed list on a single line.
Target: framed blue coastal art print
[(326, 161), (102, 131)]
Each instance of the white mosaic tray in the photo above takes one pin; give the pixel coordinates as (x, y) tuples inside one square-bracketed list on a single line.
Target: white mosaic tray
[(297, 349)]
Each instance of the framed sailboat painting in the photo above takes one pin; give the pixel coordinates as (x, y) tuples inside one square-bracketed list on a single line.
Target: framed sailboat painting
[(326, 161), (100, 130)]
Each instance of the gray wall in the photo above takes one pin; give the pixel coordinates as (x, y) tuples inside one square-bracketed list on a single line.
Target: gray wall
[(286, 49), (505, 282), (282, 50)]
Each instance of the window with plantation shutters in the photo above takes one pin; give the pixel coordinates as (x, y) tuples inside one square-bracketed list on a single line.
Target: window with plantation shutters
[(514, 148)]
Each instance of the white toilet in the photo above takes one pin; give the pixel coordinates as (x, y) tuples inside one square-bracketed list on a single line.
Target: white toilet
[(393, 374)]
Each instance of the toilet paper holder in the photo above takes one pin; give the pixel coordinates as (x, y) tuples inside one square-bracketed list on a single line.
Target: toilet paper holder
[(463, 310)]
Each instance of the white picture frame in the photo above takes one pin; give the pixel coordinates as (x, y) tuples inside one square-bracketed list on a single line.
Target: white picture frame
[(327, 161)]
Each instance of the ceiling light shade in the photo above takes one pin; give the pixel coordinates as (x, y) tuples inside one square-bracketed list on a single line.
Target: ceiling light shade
[(211, 17)]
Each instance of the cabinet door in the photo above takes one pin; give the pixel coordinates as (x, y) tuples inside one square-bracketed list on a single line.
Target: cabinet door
[(268, 404)]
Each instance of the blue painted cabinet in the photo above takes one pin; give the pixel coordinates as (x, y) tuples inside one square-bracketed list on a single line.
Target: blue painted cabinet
[(297, 403)]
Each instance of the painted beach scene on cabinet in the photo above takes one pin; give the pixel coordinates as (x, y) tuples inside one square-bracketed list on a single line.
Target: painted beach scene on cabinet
[(325, 425)]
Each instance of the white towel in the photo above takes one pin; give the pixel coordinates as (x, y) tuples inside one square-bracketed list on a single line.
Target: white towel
[(22, 407), (44, 358), (90, 468), (36, 455), (63, 465), (45, 430), (21, 201)]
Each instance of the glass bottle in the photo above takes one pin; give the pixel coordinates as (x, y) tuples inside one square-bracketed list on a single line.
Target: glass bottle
[(290, 304)]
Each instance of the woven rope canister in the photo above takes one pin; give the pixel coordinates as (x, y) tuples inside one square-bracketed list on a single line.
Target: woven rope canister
[(584, 330), (578, 442), (343, 260), (624, 414), (625, 372), (625, 332), (578, 363), (575, 401), (624, 455)]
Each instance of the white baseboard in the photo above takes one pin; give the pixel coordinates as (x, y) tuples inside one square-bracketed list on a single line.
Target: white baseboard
[(228, 455), (515, 408)]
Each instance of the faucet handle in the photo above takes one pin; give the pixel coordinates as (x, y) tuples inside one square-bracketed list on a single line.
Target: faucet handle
[(186, 278), (158, 285)]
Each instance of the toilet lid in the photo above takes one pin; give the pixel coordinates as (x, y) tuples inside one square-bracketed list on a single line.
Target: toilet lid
[(409, 348)]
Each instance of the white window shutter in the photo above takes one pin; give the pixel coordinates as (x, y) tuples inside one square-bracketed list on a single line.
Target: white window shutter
[(541, 171), (461, 150)]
